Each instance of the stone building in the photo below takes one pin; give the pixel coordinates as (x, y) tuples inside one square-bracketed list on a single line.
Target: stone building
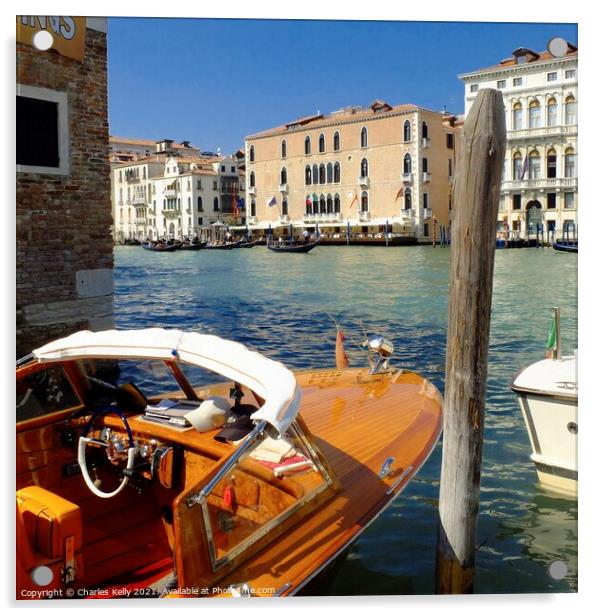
[(171, 194), (539, 185), (64, 274), (359, 167)]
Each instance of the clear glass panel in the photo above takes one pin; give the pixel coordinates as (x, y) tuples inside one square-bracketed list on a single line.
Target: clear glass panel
[(266, 486), (43, 392)]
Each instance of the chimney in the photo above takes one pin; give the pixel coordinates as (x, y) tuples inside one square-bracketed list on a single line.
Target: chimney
[(186, 144)]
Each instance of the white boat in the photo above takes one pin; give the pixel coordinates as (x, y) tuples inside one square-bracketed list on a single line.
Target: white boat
[(548, 392)]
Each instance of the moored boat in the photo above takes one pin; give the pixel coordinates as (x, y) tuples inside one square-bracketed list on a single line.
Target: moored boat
[(160, 246), (566, 245), (293, 248), (193, 245), (247, 487), (548, 396)]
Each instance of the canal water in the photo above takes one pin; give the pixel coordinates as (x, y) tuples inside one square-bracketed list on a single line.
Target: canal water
[(284, 306)]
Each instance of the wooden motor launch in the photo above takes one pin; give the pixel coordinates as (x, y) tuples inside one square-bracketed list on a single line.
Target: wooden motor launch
[(249, 486)]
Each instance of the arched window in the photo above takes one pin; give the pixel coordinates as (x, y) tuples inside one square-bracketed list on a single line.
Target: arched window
[(425, 165), (253, 208), (329, 173), (314, 174), (569, 163), (534, 114), (534, 165), (407, 199), (552, 112), (336, 141), (329, 204), (252, 179), (283, 148), (307, 175), (308, 204), (517, 165), (337, 173), (364, 168), (252, 154), (307, 145), (321, 143), (199, 204), (570, 110), (407, 164), (407, 131), (337, 204), (322, 174), (283, 177), (215, 204), (517, 116), (364, 201), (316, 206), (551, 164), (284, 207), (322, 205), (425, 130), (364, 138)]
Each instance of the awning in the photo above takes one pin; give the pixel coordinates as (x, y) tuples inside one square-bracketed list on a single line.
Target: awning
[(271, 380)]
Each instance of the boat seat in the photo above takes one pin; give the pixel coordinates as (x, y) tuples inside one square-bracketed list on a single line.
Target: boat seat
[(49, 532)]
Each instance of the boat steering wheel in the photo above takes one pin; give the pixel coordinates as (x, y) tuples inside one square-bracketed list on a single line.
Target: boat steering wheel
[(85, 440)]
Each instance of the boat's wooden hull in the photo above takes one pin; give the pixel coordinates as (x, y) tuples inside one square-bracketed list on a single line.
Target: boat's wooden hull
[(356, 420), (168, 248)]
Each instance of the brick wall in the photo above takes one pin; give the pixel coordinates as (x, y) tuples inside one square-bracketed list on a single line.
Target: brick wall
[(64, 245)]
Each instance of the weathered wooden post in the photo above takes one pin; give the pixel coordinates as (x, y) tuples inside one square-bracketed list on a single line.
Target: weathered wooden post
[(476, 195)]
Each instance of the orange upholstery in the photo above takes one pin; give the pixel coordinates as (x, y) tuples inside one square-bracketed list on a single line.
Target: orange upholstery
[(49, 519), (49, 533)]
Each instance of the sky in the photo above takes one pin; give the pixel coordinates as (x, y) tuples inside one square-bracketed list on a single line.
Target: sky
[(215, 81)]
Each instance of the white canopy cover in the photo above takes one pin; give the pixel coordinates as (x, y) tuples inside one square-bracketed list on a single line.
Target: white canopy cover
[(269, 379)]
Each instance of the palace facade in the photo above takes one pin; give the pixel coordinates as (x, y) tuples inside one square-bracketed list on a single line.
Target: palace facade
[(366, 169), (539, 185), (171, 194)]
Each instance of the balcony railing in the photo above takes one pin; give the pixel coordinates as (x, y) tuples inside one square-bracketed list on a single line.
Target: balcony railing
[(407, 215), (285, 218), (171, 213), (252, 220), (406, 178), (283, 188), (364, 216), (252, 190), (323, 217), (426, 142), (426, 177), (542, 131), (363, 180), (540, 183), (427, 212), (139, 200), (169, 193), (132, 179)]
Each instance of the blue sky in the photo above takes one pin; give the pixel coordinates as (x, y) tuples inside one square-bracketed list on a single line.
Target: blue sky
[(214, 81)]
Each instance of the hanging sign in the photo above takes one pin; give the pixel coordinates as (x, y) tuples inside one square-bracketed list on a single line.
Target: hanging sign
[(68, 33)]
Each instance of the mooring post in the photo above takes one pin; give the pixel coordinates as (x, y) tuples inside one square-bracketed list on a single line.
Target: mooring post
[(476, 196)]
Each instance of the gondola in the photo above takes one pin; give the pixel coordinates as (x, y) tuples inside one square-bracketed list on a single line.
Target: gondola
[(566, 246), (160, 247), (292, 247), (193, 245), (247, 244)]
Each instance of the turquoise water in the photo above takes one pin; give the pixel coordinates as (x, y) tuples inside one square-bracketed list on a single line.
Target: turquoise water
[(284, 305)]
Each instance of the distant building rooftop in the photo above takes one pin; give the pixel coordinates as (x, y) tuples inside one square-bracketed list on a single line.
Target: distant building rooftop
[(378, 108), (521, 57)]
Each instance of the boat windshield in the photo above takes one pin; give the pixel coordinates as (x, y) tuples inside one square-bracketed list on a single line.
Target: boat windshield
[(272, 481)]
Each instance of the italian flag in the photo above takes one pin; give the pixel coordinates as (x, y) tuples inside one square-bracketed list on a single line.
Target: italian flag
[(551, 345)]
